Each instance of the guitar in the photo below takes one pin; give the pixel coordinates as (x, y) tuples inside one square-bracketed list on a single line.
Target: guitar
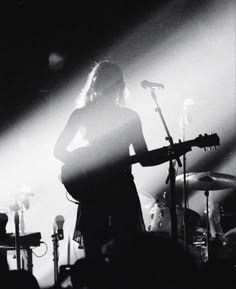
[(76, 176)]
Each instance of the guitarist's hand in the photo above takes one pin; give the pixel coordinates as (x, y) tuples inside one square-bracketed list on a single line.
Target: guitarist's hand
[(180, 149), (164, 154)]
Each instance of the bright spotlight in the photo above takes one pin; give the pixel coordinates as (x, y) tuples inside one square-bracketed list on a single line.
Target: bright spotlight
[(56, 61)]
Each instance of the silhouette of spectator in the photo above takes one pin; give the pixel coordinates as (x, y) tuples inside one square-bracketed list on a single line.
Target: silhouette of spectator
[(4, 267), (92, 274), (79, 273), (217, 274), (147, 261), (21, 279)]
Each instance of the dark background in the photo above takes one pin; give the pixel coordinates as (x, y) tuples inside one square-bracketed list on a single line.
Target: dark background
[(79, 30)]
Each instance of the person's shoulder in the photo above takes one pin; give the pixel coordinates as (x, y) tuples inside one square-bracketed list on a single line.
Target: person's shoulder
[(130, 114), (78, 112)]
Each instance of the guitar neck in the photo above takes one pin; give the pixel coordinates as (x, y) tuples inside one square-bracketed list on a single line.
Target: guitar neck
[(156, 156), (161, 155)]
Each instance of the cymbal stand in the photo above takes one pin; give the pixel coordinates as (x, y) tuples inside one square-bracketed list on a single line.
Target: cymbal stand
[(24, 205), (22, 222), (16, 208), (172, 172), (185, 192), (206, 193)]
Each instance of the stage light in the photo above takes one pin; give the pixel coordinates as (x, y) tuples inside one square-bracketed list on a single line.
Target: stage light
[(56, 61)]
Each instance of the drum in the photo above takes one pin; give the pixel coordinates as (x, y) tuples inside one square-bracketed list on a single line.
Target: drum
[(160, 221)]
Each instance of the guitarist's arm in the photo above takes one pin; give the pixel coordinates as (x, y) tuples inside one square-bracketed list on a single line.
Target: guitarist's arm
[(143, 156), (60, 149), (154, 157)]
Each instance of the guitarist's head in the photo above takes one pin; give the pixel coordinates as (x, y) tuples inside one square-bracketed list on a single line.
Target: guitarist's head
[(105, 85)]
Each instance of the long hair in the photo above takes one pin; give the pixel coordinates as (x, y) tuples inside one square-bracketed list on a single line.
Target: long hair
[(105, 78)]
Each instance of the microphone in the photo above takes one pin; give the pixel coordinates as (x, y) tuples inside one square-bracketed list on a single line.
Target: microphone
[(147, 84), (59, 222)]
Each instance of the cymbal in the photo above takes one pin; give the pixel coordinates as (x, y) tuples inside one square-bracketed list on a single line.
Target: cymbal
[(207, 180), (231, 232), (230, 236)]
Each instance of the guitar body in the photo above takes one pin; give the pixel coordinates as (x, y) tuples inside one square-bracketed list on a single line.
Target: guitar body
[(76, 181)]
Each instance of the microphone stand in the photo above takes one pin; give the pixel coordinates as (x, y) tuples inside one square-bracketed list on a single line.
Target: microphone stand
[(16, 208), (56, 237), (172, 172), (55, 255), (206, 193), (17, 238)]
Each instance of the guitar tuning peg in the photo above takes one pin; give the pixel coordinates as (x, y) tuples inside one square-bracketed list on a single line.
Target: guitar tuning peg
[(204, 149), (209, 148)]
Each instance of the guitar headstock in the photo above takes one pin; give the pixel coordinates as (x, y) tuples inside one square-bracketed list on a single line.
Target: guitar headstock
[(203, 141)]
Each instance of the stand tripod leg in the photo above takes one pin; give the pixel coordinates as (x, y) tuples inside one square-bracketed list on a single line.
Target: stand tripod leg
[(55, 257), (173, 215), (17, 245), (206, 193)]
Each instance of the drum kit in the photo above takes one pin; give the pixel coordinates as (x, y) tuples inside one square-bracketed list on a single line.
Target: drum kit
[(201, 239)]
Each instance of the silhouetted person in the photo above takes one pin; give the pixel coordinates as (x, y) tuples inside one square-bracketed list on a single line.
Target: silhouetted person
[(4, 266), (3, 223), (104, 186), (217, 274), (79, 274), (21, 279), (4, 269), (91, 274), (147, 261)]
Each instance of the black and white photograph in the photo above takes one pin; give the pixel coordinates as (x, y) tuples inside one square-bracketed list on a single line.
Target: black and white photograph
[(118, 144)]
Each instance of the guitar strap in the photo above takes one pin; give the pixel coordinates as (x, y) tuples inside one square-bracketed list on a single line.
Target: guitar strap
[(77, 236)]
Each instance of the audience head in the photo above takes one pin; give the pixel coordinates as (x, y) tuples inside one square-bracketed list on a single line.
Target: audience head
[(4, 267), (90, 274), (147, 261), (217, 274), (21, 279)]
